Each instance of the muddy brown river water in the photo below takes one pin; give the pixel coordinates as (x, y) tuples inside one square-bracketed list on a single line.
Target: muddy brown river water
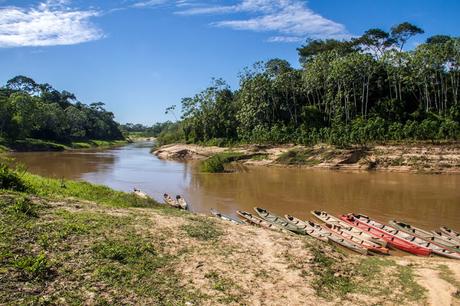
[(421, 199)]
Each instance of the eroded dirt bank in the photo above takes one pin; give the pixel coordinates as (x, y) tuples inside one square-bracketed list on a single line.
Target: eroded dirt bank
[(93, 254), (428, 158)]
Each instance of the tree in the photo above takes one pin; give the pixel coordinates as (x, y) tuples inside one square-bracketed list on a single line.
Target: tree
[(438, 39), (401, 33), (376, 40), (22, 83), (314, 47), (276, 67)]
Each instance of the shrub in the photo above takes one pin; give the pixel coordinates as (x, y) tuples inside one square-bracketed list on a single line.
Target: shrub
[(216, 163), (34, 266), (9, 179), (24, 207)]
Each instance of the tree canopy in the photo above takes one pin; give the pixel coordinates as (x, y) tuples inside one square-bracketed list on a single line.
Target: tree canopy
[(29, 109), (367, 88)]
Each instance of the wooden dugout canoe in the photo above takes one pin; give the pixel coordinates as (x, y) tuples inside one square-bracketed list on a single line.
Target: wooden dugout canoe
[(386, 232), (224, 217), (319, 232), (445, 232), (445, 242), (330, 219), (140, 194), (251, 219), (170, 201), (181, 202), (308, 229), (279, 221), (344, 233)]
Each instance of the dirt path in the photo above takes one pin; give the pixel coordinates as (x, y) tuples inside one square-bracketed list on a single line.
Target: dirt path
[(440, 292)]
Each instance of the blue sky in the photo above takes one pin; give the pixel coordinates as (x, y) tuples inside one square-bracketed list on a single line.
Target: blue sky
[(141, 56)]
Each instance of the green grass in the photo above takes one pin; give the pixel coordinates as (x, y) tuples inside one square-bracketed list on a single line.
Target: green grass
[(31, 144), (216, 163), (371, 276), (328, 282), (299, 157), (413, 291), (202, 229), (446, 274), (56, 188), (231, 292), (260, 157), (72, 256)]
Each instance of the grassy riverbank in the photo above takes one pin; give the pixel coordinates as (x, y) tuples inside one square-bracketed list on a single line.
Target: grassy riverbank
[(31, 144), (74, 242)]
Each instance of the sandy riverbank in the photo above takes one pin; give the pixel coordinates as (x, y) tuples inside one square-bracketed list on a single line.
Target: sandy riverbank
[(426, 158), (167, 257)]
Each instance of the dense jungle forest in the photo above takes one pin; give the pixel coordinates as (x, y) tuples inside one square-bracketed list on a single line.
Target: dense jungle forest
[(371, 88), (32, 110)]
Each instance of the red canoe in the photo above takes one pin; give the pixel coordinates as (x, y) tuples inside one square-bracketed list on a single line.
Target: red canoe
[(397, 242)]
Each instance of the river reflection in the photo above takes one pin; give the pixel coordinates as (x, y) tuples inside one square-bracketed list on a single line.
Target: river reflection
[(425, 200)]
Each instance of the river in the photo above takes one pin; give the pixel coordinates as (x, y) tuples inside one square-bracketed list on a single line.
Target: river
[(424, 200)]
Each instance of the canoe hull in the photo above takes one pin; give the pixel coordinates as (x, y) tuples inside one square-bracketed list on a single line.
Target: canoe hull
[(278, 221), (444, 242), (394, 241), (332, 220)]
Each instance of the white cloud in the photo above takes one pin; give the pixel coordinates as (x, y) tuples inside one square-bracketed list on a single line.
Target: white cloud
[(291, 20), (286, 39), (149, 3), (50, 23)]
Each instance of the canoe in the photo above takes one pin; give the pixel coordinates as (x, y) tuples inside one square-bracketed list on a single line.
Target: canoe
[(140, 194), (347, 235), (446, 242), (330, 219), (224, 217), (307, 228), (250, 218), (279, 221), (450, 232), (386, 232), (170, 201), (182, 203), (443, 235), (319, 232)]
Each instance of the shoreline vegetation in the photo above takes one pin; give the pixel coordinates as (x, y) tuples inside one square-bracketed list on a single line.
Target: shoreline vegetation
[(417, 157), (38, 145), (73, 242), (37, 117)]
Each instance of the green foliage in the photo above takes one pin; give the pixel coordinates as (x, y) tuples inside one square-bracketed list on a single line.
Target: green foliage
[(24, 207), (10, 179), (31, 110), (358, 91), (34, 266), (298, 157), (216, 163)]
